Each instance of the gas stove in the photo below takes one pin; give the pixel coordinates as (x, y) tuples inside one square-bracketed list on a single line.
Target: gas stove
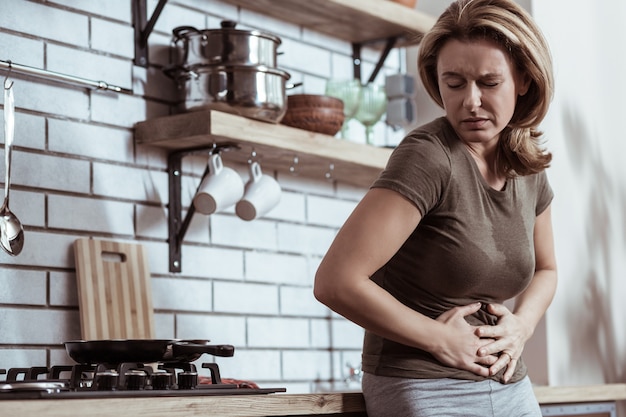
[(127, 379)]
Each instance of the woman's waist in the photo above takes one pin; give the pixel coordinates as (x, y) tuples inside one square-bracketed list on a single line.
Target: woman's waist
[(422, 365)]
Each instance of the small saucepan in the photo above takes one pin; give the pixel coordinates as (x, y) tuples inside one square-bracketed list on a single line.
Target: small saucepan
[(142, 350)]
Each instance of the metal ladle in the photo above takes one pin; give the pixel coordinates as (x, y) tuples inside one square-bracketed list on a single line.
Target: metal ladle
[(11, 229)]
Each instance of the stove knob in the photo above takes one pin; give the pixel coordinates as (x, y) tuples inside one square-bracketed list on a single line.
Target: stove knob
[(161, 380), (135, 380), (187, 380), (107, 381)]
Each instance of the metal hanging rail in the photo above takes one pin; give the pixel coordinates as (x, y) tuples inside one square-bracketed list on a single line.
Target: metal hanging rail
[(13, 68)]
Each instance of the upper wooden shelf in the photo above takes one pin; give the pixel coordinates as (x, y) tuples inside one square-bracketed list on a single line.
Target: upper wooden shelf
[(355, 21), (276, 145)]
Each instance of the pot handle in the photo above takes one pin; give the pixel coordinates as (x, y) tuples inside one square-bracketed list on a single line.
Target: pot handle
[(187, 348), (180, 31), (293, 85)]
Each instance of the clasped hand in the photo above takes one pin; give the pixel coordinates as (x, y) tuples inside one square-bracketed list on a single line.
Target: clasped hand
[(483, 350)]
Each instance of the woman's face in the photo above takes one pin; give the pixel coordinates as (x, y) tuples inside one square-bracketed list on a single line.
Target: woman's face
[(479, 88)]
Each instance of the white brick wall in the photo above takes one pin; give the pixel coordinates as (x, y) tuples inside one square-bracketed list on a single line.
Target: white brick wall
[(78, 173)]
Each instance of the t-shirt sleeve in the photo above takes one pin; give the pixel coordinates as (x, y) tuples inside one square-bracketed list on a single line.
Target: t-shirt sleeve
[(419, 169), (544, 193)]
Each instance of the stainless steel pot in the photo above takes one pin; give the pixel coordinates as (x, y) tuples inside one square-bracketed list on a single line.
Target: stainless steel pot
[(257, 92), (225, 46)]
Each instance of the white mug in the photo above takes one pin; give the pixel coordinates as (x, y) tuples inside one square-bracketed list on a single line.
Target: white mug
[(262, 193), (220, 188)]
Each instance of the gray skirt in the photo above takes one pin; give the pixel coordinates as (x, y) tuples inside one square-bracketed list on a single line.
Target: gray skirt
[(404, 397)]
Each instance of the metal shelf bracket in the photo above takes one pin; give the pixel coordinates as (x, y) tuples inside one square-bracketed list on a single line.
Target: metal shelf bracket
[(356, 58), (177, 226), (143, 29)]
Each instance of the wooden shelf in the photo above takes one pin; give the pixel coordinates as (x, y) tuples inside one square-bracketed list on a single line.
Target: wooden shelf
[(355, 21), (276, 145)]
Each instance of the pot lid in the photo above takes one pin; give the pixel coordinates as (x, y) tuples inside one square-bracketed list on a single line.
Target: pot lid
[(227, 27)]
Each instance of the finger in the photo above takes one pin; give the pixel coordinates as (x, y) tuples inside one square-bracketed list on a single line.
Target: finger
[(463, 311), (486, 331), (507, 361), (466, 310), (498, 309), (491, 331), (510, 370), (489, 347), (479, 370), (487, 361)]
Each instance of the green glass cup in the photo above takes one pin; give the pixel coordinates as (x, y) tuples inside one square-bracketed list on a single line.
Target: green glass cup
[(349, 92)]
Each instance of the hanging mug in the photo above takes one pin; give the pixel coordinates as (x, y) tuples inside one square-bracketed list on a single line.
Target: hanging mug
[(262, 193), (220, 188)]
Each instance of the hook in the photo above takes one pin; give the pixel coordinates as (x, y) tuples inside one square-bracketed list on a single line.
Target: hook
[(6, 78)]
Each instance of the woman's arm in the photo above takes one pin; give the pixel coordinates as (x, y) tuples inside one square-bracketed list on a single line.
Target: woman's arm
[(514, 329), (373, 233)]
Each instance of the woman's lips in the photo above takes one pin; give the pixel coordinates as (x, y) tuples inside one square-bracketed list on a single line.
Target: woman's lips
[(474, 123)]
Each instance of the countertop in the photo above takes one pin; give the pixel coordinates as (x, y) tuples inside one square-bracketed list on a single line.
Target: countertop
[(350, 404)]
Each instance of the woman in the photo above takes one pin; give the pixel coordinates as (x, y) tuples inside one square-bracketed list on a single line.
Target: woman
[(457, 223)]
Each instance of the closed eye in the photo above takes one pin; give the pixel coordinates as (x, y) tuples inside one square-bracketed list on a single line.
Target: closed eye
[(491, 80), (455, 86), (453, 80)]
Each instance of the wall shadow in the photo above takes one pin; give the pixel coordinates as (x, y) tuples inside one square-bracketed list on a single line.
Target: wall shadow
[(596, 333)]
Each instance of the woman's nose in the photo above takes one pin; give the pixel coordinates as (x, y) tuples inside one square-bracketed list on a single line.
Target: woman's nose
[(472, 98)]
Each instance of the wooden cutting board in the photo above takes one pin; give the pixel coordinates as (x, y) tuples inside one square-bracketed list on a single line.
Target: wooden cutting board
[(114, 291)]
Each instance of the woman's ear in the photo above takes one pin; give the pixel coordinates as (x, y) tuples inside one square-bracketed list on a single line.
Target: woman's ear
[(523, 85)]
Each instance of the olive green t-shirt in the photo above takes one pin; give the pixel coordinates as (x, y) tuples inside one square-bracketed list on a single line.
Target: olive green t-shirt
[(473, 243)]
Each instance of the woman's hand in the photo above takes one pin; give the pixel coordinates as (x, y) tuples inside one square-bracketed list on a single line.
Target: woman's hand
[(509, 336), (459, 350)]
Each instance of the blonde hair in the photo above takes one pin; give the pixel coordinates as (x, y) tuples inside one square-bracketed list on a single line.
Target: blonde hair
[(510, 26)]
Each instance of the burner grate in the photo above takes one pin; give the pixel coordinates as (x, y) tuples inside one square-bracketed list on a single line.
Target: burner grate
[(127, 379)]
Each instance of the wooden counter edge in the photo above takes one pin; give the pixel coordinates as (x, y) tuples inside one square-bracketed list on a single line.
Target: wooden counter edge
[(337, 403), (580, 393), (193, 406), (545, 394)]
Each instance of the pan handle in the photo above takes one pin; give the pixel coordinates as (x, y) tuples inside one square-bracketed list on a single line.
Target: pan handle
[(187, 349)]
